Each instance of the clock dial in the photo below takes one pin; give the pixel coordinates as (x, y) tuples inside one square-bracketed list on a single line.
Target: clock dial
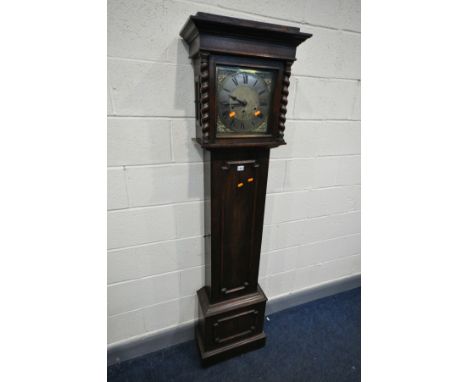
[(243, 100)]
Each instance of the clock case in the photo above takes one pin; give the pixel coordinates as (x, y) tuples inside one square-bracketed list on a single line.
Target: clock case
[(232, 304)]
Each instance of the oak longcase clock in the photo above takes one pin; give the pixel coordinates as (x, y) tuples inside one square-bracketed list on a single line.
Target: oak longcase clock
[(242, 70)]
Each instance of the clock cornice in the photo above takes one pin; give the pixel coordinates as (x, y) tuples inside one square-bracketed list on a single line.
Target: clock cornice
[(214, 33)]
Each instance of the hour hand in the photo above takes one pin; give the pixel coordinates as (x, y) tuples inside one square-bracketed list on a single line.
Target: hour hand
[(243, 103)]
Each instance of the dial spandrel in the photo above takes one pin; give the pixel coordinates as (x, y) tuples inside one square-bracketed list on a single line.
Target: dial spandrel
[(243, 100)]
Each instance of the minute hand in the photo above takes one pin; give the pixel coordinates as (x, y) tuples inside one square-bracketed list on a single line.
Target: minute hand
[(243, 103)]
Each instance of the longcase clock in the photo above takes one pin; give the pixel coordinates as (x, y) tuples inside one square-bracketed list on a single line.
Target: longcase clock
[(242, 70)]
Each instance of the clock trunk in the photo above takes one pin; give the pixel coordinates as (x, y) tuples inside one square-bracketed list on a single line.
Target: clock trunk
[(238, 188)]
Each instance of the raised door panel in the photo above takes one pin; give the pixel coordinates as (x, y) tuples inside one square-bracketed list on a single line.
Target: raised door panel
[(239, 193), (237, 224)]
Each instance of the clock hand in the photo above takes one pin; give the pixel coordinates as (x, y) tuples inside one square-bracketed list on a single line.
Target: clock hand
[(243, 103), (237, 104)]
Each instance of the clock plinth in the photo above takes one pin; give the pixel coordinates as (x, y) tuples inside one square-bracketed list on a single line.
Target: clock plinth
[(230, 327), (242, 70)]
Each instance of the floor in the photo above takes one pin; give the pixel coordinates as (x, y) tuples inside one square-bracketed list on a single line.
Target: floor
[(317, 341)]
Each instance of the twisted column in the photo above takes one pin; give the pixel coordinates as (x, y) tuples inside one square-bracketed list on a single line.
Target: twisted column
[(204, 96), (284, 97)]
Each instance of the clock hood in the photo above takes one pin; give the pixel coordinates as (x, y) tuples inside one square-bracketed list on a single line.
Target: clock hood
[(209, 32)]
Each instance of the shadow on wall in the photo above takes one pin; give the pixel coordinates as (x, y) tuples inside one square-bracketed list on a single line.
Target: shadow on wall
[(186, 86), (183, 87)]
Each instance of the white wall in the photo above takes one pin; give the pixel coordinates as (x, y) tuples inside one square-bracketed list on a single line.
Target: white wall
[(155, 218)]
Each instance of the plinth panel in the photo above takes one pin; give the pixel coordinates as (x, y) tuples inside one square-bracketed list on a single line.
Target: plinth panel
[(229, 327)]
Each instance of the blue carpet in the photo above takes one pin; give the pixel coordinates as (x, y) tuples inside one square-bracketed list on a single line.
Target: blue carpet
[(317, 341)]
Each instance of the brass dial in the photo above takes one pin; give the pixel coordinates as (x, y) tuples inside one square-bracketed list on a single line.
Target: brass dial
[(243, 100)]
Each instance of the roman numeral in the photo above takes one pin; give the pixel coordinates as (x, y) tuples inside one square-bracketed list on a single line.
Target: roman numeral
[(226, 90), (234, 79), (255, 83), (242, 125), (245, 77), (261, 92)]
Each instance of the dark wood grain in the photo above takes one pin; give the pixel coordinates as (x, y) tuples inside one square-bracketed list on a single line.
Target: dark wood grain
[(230, 327), (232, 304), (236, 219), (223, 34)]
